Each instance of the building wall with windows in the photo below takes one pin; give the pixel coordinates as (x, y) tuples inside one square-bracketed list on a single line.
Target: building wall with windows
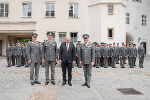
[(138, 28), (104, 20), (107, 21)]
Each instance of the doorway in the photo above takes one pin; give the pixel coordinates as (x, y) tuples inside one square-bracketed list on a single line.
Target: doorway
[(0, 47), (144, 45)]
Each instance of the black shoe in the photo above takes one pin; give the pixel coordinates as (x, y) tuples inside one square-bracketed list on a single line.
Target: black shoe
[(37, 82), (63, 83), (122, 67), (88, 86), (69, 83), (113, 67), (8, 66), (46, 83), (53, 82), (141, 67), (32, 83), (85, 84), (117, 63), (105, 67)]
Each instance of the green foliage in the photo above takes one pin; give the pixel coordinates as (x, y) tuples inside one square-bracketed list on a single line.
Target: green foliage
[(25, 40)]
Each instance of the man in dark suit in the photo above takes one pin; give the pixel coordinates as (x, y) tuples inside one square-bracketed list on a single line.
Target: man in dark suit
[(67, 58)]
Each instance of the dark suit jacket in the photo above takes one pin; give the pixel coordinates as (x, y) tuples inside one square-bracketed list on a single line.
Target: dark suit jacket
[(67, 56)]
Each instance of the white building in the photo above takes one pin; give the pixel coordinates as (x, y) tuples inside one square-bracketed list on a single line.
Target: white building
[(104, 20)]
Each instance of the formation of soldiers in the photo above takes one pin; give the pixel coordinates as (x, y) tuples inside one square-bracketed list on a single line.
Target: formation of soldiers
[(108, 55), (16, 54), (88, 54)]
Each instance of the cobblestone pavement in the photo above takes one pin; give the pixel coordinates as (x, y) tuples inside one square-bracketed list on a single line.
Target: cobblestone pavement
[(15, 84)]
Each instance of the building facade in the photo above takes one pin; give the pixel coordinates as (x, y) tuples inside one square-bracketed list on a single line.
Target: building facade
[(104, 20)]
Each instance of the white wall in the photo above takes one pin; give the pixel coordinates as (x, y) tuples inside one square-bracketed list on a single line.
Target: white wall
[(135, 27)]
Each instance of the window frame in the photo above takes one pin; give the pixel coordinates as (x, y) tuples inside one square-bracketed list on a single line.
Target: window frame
[(50, 2), (62, 33), (74, 37), (113, 32), (74, 12), (112, 9), (127, 18), (27, 9), (4, 3)]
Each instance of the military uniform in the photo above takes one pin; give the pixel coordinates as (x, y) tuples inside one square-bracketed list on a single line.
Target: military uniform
[(128, 50), (9, 55), (101, 56), (141, 53), (122, 54), (131, 57), (18, 50), (97, 57), (13, 55), (87, 56), (25, 55), (112, 55), (34, 55), (135, 55), (117, 54), (105, 56), (50, 54), (77, 55)]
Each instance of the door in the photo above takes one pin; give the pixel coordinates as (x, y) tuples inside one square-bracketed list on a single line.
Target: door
[(0, 47), (144, 45)]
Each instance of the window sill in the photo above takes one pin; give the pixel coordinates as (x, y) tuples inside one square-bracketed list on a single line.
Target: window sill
[(4, 17), (26, 17), (49, 17), (111, 38), (73, 18)]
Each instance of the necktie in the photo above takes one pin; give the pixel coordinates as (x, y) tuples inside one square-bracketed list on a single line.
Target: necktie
[(67, 46)]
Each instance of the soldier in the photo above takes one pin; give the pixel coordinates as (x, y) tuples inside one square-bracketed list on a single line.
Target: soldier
[(50, 57), (34, 58), (97, 55), (131, 55), (9, 55), (18, 50), (113, 55), (135, 54), (109, 54), (87, 59), (128, 49), (117, 53), (105, 56), (78, 54), (141, 53), (13, 54), (25, 55), (101, 54), (122, 55)]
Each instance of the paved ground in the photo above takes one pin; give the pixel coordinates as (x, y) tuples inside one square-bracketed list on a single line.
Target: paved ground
[(15, 84)]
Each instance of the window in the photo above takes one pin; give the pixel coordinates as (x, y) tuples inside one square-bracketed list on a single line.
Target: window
[(140, 1), (26, 9), (73, 37), (110, 32), (73, 10), (110, 9), (4, 10), (62, 36), (144, 20), (127, 18), (50, 9)]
